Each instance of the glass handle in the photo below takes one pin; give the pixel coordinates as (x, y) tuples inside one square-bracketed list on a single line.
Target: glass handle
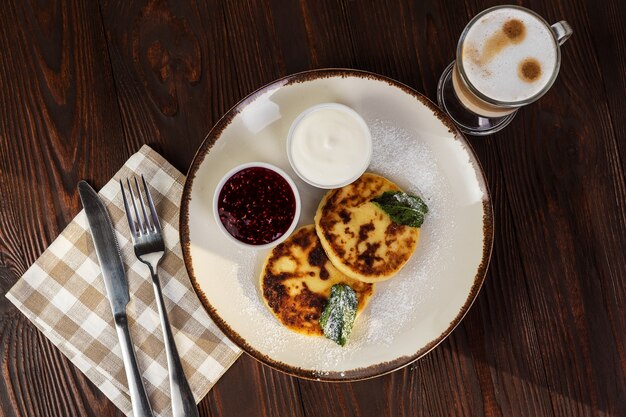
[(562, 30)]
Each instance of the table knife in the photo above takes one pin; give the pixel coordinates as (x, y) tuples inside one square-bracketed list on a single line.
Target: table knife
[(116, 284)]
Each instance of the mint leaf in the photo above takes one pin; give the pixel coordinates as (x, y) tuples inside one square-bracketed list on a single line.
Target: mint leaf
[(339, 313), (403, 208)]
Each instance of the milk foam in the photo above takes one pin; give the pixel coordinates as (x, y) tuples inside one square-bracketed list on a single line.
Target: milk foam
[(496, 75)]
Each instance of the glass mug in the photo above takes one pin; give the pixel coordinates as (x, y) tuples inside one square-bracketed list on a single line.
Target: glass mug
[(507, 57)]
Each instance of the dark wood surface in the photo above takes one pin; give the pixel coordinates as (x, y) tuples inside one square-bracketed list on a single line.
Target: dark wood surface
[(84, 83)]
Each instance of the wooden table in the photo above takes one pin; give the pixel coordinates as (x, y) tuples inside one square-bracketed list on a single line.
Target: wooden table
[(83, 84)]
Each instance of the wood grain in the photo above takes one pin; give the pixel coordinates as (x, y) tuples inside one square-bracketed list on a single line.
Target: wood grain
[(559, 178), (249, 389), (57, 114), (547, 335)]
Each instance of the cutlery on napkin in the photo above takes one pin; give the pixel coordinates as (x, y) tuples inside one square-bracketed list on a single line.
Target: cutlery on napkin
[(63, 294), (116, 284)]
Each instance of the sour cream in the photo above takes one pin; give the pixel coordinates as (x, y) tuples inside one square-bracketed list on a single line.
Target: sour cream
[(329, 145)]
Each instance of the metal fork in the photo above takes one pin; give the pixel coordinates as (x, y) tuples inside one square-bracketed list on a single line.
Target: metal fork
[(149, 249)]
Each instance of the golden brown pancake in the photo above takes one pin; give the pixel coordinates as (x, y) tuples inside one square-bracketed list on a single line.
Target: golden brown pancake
[(359, 238), (296, 281)]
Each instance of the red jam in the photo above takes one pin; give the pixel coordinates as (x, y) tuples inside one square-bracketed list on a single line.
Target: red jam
[(256, 205)]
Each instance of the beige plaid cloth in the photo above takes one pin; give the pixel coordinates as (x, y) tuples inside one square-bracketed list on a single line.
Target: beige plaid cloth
[(63, 294)]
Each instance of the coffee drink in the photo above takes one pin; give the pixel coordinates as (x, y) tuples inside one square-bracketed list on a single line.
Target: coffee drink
[(508, 58)]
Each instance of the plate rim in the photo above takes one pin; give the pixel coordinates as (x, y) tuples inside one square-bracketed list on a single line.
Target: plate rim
[(356, 374)]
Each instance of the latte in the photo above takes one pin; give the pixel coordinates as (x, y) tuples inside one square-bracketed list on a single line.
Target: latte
[(508, 56)]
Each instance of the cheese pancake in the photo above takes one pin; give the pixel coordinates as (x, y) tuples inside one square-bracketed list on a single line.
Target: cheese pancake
[(359, 238), (296, 281)]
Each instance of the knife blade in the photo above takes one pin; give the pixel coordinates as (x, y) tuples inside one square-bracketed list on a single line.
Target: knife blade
[(116, 284), (107, 249)]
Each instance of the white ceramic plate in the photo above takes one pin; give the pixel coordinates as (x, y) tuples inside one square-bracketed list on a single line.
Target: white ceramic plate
[(415, 146)]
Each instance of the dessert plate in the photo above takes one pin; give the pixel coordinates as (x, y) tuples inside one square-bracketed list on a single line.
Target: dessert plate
[(416, 146)]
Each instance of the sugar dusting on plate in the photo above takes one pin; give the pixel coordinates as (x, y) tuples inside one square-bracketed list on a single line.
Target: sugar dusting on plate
[(401, 157)]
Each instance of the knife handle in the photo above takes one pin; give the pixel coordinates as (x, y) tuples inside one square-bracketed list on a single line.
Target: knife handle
[(138, 396)]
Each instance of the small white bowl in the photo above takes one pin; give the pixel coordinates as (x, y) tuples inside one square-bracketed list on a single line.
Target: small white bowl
[(359, 120), (271, 167)]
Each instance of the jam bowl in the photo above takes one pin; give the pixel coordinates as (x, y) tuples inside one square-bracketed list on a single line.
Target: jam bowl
[(256, 205)]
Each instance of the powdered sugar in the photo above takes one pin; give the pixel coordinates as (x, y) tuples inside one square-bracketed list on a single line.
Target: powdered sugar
[(407, 161)]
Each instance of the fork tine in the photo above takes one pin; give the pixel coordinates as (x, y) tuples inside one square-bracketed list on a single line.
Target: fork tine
[(131, 223), (155, 218), (146, 219), (141, 228)]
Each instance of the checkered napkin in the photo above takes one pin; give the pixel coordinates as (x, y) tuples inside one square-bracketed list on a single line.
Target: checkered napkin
[(63, 294)]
